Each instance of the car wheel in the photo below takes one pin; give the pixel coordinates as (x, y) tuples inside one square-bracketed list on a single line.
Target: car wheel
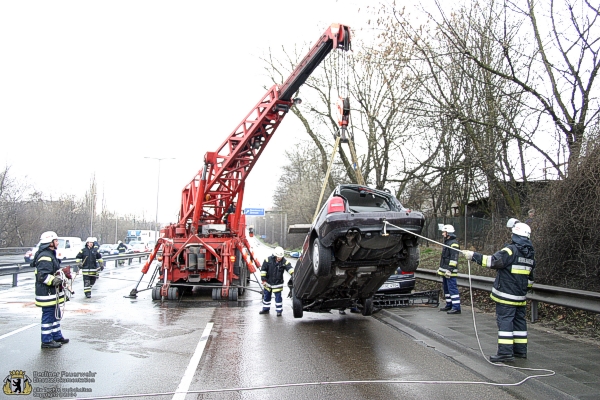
[(411, 262), (321, 259), (297, 306), (367, 307)]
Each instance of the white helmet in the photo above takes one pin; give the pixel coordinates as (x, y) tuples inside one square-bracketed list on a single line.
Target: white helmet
[(119, 242), (90, 240), (48, 237), (278, 252), (446, 228), (521, 229)]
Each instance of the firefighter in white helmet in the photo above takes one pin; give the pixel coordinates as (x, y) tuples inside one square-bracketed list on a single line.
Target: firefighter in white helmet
[(448, 270), (514, 265), (90, 261), (271, 274), (49, 292)]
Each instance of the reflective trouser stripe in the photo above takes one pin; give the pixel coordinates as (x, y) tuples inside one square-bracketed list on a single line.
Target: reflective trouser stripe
[(451, 294), (512, 329), (278, 301), (50, 325)]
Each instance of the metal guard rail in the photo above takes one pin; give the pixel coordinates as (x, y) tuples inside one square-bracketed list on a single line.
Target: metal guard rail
[(573, 298), (17, 269)]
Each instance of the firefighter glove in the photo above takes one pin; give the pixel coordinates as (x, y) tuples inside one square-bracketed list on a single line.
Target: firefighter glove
[(448, 274), (468, 254)]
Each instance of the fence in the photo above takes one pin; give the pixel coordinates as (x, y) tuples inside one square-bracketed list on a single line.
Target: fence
[(475, 234)]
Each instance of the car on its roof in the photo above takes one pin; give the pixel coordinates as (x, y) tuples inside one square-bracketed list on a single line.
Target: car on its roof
[(359, 239)]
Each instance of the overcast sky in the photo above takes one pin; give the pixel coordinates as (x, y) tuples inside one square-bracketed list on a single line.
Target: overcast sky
[(92, 87)]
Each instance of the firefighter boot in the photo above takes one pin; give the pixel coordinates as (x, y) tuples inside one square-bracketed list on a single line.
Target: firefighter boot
[(501, 358), (263, 312), (51, 345), (279, 313)]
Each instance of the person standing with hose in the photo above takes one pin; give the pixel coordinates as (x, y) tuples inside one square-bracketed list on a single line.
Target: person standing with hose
[(271, 274), (90, 261), (448, 270), (49, 292), (514, 265)]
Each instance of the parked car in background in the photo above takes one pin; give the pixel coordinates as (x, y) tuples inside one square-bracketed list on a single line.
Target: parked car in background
[(139, 248), (68, 247), (295, 254), (108, 249), (29, 254), (359, 239), (399, 283)]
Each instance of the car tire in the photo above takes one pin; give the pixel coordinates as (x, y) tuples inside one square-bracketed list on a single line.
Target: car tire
[(297, 306), (367, 309), (321, 259), (411, 262)]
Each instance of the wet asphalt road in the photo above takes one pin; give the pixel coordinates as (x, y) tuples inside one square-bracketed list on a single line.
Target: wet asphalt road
[(140, 346)]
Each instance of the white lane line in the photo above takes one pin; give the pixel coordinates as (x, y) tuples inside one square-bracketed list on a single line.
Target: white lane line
[(17, 331), (186, 380)]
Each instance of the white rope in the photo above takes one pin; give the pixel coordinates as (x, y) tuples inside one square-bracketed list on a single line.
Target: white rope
[(67, 285)]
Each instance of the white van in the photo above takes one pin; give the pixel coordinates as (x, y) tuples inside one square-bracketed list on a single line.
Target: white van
[(68, 247)]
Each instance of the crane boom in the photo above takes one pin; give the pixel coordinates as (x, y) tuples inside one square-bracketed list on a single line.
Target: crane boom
[(208, 244)]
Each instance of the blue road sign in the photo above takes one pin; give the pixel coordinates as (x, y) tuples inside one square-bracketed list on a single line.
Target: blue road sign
[(254, 211)]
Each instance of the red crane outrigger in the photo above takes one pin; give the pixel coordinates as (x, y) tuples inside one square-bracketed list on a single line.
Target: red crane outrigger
[(208, 245)]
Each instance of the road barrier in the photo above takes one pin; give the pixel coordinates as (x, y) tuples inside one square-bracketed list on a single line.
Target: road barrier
[(24, 268), (572, 298)]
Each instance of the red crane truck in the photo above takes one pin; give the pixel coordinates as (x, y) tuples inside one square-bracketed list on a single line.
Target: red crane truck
[(208, 245)]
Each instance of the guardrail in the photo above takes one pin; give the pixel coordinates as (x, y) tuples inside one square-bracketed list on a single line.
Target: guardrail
[(573, 298), (14, 251), (24, 268)]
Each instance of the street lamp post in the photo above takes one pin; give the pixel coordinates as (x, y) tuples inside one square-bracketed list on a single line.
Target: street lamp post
[(157, 192)]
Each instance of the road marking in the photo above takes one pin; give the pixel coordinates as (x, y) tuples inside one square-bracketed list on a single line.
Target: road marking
[(186, 380), (17, 331)]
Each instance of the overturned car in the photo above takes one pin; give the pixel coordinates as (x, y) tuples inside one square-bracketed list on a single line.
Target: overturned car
[(358, 240)]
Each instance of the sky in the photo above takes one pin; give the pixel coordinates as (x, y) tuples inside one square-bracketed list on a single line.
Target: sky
[(92, 88)]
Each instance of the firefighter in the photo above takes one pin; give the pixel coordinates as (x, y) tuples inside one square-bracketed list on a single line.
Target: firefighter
[(514, 265), (271, 274), (49, 292), (90, 261), (122, 249), (448, 270)]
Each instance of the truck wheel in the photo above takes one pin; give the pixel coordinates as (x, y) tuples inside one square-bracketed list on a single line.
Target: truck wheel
[(156, 293), (297, 306), (367, 307), (321, 258), (233, 294), (173, 293), (411, 262), (216, 294)]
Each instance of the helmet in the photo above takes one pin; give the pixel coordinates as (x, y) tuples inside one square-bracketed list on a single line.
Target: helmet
[(278, 251), (521, 229), (48, 237), (446, 228), (90, 240), (119, 242)]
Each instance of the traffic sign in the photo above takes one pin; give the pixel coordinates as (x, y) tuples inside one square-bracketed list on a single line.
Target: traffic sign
[(254, 211)]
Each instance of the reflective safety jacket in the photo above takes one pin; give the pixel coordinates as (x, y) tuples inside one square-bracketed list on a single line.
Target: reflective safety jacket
[(45, 266), (271, 273), (515, 264), (90, 261), (122, 248), (449, 259)]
